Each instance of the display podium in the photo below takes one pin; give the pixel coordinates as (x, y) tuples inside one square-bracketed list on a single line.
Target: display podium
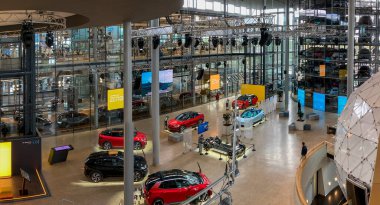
[(59, 154)]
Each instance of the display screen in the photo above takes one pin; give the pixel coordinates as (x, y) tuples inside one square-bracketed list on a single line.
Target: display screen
[(319, 101), (115, 99), (301, 96), (165, 79), (5, 159), (64, 147), (214, 82), (342, 100), (203, 127)]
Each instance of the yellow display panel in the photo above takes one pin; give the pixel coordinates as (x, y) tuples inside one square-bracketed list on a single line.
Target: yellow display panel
[(322, 70), (5, 159), (258, 90), (215, 82), (115, 99)]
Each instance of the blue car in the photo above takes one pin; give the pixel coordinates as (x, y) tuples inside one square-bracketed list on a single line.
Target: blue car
[(252, 115)]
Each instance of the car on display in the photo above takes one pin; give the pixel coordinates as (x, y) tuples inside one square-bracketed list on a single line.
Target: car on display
[(168, 102), (114, 138), (103, 164), (245, 101), (139, 106), (173, 186), (216, 144), (185, 120), (252, 115), (187, 96), (72, 119), (105, 114)]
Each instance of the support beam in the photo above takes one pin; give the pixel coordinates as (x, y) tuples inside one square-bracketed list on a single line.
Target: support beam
[(155, 103), (95, 79), (287, 79), (128, 124), (351, 47)]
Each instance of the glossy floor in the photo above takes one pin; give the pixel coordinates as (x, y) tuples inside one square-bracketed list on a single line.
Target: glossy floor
[(267, 176)]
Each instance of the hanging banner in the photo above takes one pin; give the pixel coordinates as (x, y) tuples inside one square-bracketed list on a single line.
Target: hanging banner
[(258, 90), (215, 82), (115, 99), (165, 80), (319, 101)]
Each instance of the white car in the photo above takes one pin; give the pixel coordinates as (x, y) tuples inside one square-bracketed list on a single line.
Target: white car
[(251, 116)]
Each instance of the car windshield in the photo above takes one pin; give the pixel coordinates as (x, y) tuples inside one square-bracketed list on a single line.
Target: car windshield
[(243, 97), (181, 117), (193, 178), (247, 114)]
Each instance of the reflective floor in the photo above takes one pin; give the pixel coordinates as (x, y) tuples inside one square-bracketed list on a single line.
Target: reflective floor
[(267, 176)]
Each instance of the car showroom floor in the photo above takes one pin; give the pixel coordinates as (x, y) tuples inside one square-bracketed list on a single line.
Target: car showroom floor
[(267, 176)]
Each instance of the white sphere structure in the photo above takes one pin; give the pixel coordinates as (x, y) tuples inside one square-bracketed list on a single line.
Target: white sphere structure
[(357, 135)]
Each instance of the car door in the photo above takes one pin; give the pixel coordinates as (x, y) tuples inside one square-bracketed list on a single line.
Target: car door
[(169, 192), (117, 138), (194, 118), (119, 167), (106, 167)]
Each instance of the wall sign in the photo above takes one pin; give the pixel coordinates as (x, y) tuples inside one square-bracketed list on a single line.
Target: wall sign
[(115, 99)]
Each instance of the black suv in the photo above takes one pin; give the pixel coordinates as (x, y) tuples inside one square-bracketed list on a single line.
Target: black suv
[(111, 164)]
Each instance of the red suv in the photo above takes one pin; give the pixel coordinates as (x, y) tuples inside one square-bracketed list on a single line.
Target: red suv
[(173, 186), (185, 120), (245, 101), (112, 138)]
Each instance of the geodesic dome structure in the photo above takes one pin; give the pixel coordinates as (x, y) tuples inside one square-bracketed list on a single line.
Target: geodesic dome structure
[(357, 135)]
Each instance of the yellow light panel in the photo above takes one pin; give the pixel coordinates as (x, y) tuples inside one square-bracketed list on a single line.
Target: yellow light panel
[(5, 159)]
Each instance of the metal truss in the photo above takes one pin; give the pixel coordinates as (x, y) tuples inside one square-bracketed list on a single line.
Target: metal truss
[(46, 20)]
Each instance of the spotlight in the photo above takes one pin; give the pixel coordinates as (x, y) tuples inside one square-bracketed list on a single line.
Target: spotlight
[(179, 42), (140, 43), (255, 41), (317, 40), (207, 65), (269, 41), (233, 41), (197, 42), (245, 41), (49, 39), (243, 61), (188, 40), (155, 41), (221, 41), (336, 41), (27, 34), (227, 42), (265, 36), (277, 41), (218, 64), (133, 43), (214, 41)]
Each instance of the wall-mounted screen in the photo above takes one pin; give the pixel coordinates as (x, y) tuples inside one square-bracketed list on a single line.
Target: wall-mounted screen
[(165, 79)]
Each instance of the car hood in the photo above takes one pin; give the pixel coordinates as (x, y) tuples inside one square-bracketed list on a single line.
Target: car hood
[(174, 122), (238, 101)]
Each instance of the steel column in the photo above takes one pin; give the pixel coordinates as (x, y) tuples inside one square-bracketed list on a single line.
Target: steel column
[(351, 46), (287, 79), (128, 124)]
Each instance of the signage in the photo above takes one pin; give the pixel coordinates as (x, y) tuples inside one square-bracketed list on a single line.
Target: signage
[(322, 70), (5, 159), (115, 99), (342, 100), (319, 101), (165, 80), (301, 96), (203, 127), (215, 82), (25, 175), (258, 90)]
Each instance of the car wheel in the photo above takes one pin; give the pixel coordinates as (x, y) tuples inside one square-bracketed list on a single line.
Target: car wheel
[(107, 145), (200, 122), (96, 176), (158, 202), (137, 176), (204, 197), (182, 128), (137, 146)]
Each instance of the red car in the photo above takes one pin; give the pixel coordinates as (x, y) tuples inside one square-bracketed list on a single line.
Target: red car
[(245, 101), (185, 120), (173, 186), (112, 138)]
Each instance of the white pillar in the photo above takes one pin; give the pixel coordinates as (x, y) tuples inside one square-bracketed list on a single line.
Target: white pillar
[(351, 46), (287, 79), (128, 124), (155, 103)]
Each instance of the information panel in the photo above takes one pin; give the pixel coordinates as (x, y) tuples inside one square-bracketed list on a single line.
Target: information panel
[(115, 99), (258, 90), (342, 100), (301, 96), (319, 101), (214, 82)]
